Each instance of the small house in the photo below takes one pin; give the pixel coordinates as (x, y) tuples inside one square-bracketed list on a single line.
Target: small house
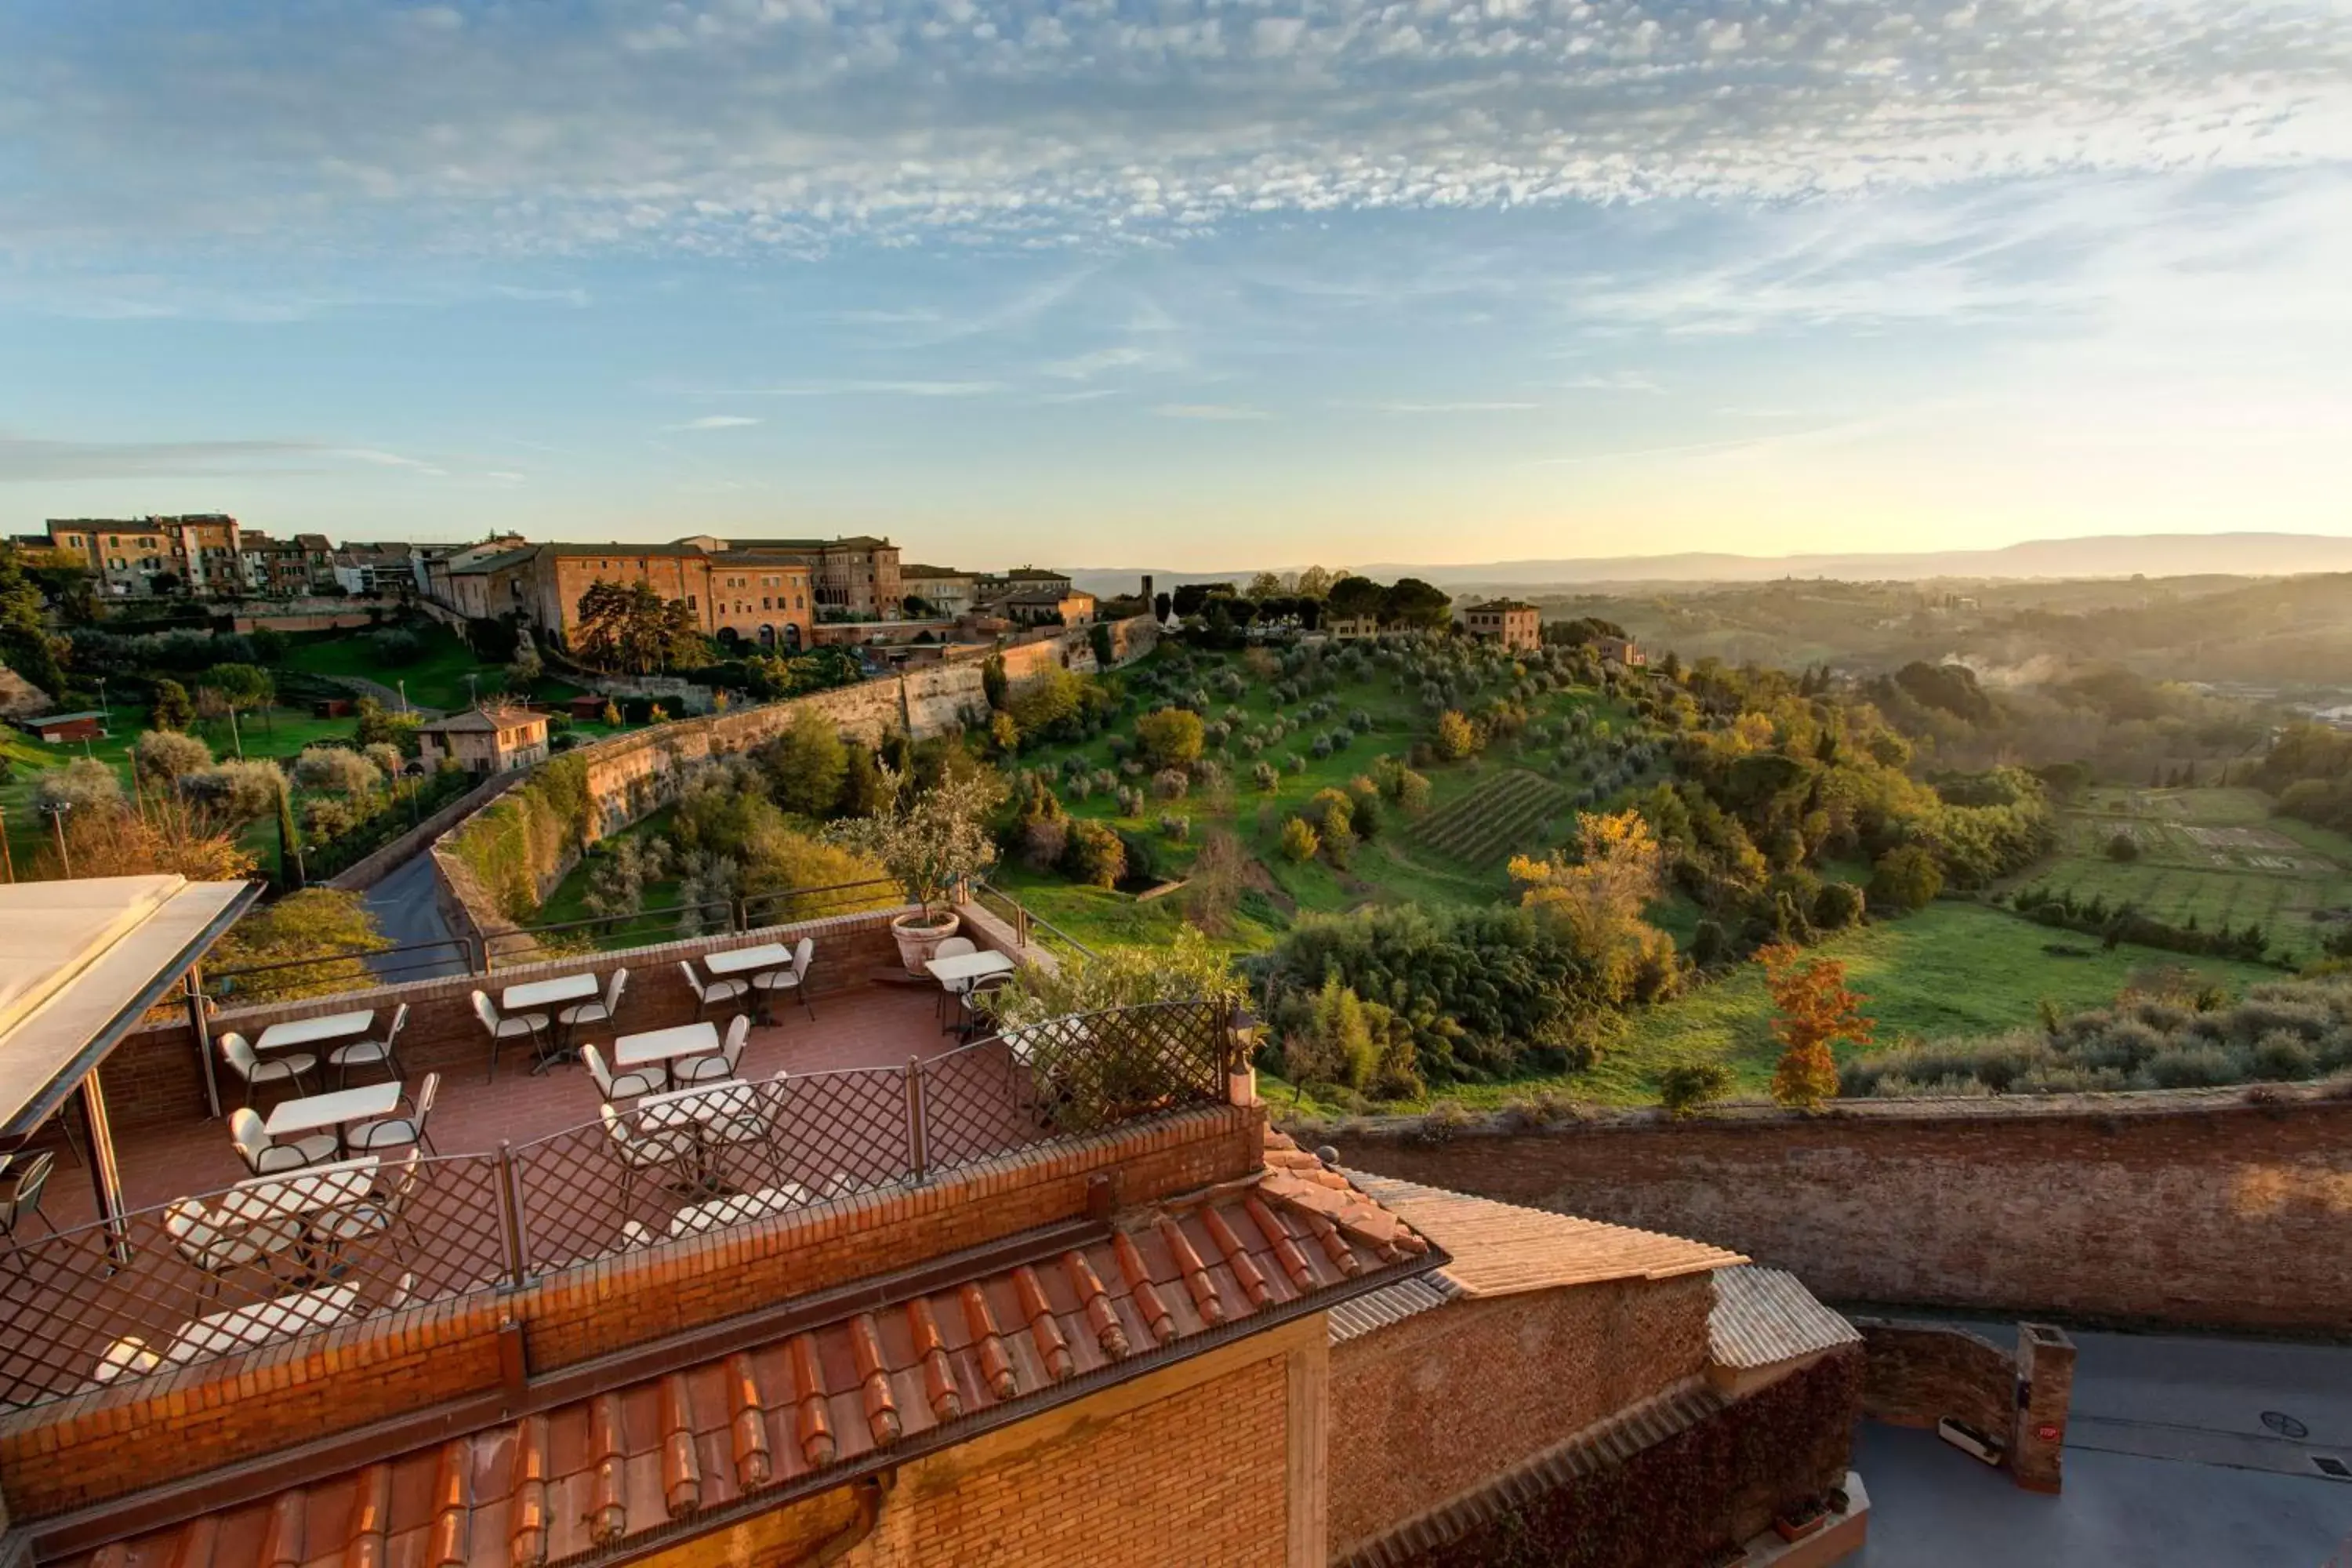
[(589, 706), (485, 740), (1513, 622), (60, 729)]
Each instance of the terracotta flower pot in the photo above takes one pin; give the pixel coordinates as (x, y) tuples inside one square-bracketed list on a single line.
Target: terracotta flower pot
[(919, 935)]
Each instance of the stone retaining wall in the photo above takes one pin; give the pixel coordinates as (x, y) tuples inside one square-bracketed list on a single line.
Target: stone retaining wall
[(2205, 1208)]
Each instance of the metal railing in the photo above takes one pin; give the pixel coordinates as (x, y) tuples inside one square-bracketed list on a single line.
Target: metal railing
[(1029, 928), (718, 917), (278, 1257)]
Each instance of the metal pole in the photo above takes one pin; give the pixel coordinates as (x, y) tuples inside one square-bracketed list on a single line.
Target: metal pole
[(58, 822), (510, 1231), (917, 1135), (193, 983), (105, 1175)]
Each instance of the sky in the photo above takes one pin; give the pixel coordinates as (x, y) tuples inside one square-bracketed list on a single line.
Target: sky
[(1194, 284)]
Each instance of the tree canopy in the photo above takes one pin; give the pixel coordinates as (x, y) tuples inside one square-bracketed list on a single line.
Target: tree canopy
[(629, 626)]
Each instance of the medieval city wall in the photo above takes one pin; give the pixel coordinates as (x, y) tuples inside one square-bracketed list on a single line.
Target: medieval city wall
[(2206, 1208)]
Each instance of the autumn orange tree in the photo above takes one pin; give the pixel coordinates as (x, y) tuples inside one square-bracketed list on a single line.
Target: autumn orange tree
[(1811, 1007)]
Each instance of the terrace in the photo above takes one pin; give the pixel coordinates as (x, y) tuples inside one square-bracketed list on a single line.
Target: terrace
[(524, 1180)]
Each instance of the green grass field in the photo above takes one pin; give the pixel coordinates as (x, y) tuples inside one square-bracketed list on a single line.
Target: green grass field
[(437, 679), (1404, 863), (279, 734), (1952, 969), (2210, 854)]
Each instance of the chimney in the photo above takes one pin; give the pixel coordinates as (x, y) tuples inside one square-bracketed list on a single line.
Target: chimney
[(1146, 587)]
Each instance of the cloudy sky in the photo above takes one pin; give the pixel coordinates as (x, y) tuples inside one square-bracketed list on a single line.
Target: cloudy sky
[(1194, 283)]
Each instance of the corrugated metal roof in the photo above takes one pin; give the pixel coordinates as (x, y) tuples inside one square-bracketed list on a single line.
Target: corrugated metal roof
[(1499, 1248), (1764, 1316), (1393, 1304)]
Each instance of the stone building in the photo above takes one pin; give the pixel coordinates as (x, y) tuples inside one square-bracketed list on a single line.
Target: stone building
[(485, 740), (199, 553), (948, 592), (1513, 622)]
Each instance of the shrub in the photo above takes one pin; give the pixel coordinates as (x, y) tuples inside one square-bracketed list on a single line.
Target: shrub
[(239, 789), (1299, 841), (1093, 855), (1170, 784), (1320, 747), (1683, 1089), (1710, 944), (2283, 1054), (1455, 737), (1413, 793), (1265, 776), (1175, 825), (1044, 840), (166, 756), (337, 768), (1837, 906), (1292, 762), (81, 786), (2123, 846), (1905, 877), (2194, 1067), (1329, 811)]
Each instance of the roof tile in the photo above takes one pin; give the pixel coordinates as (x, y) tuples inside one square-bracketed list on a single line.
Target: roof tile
[(808, 1408)]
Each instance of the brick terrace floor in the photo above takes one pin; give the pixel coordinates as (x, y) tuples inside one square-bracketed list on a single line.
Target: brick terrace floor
[(876, 1027)]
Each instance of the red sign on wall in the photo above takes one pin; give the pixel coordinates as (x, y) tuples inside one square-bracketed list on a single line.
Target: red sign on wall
[(2047, 1431)]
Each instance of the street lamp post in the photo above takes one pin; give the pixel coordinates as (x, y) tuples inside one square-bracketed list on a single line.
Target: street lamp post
[(402, 684), (57, 810)]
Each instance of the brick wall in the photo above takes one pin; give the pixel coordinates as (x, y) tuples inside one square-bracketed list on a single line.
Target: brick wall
[(1435, 1406), (1673, 1503), (1921, 1373), (2194, 1208), (1182, 1468), (153, 1076), (585, 1312), (116, 1441)]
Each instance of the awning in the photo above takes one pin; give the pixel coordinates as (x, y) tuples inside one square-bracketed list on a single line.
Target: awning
[(81, 962)]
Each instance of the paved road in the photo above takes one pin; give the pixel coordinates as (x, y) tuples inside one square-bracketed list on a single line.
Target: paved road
[(406, 911), (2169, 1461)]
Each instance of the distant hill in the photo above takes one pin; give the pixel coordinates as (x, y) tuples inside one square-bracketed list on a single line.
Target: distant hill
[(2110, 555)]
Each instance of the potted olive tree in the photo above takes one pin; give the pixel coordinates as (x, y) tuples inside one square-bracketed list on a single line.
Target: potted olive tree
[(931, 841)]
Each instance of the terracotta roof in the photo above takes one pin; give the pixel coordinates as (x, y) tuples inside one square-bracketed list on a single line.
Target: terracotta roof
[(480, 722), (1499, 1248), (1764, 1316), (931, 1361)]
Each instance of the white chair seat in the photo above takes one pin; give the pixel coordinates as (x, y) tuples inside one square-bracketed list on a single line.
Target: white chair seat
[(283, 1066), (777, 980), (581, 1012), (515, 1024), (391, 1132), (315, 1148), (359, 1053), (702, 1070)]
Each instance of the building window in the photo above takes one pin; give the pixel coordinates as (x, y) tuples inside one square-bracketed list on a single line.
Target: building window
[(689, 602), (763, 603)]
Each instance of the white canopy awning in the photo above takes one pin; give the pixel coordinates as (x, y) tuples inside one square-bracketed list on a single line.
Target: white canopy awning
[(81, 962)]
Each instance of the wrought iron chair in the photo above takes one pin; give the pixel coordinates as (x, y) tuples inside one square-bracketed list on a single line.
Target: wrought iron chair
[(513, 1026), (404, 1127), (285, 1067), (710, 994), (265, 1157), (651, 1079), (371, 1053), (708, 1069)]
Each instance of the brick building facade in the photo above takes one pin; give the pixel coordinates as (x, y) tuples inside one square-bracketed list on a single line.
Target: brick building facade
[(1513, 622), (200, 553)]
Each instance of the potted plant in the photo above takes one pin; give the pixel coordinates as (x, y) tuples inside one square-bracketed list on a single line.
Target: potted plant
[(931, 842), (1800, 1520)]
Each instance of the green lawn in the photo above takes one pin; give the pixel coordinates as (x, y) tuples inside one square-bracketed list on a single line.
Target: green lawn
[(1400, 864), (281, 734), (2208, 855), (437, 680)]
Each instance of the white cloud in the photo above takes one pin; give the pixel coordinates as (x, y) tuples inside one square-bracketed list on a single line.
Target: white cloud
[(1209, 411), (1448, 407), (868, 388), (715, 422), (723, 125)]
